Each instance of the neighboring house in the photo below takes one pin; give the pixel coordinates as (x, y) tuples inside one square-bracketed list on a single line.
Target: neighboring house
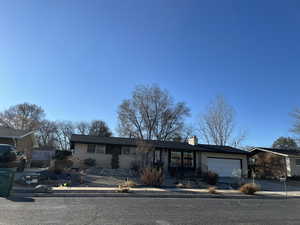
[(290, 158), (224, 160), (23, 141)]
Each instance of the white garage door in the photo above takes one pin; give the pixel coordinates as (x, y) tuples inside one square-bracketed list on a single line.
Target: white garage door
[(225, 167)]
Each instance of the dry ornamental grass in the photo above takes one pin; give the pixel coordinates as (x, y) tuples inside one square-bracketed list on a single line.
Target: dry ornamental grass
[(249, 189), (152, 177), (212, 190)]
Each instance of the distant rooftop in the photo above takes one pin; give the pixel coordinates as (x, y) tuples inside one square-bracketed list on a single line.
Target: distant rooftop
[(6, 132), (276, 150), (157, 144)]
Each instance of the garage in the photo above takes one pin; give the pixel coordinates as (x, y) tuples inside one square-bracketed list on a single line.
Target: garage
[(225, 167)]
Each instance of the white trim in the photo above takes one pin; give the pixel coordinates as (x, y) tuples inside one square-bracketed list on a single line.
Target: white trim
[(264, 150), (29, 133)]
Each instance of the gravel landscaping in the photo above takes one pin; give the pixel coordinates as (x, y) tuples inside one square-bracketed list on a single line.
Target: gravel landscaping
[(103, 177), (100, 177)]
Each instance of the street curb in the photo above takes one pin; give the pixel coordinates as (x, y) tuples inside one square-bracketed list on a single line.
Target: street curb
[(146, 195)]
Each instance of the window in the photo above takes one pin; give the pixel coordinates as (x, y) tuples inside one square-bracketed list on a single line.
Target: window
[(182, 159), (125, 150), (175, 159), (100, 149), (128, 150), (297, 162), (188, 160), (91, 148)]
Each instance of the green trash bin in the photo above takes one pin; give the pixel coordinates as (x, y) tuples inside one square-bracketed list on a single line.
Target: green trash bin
[(6, 181)]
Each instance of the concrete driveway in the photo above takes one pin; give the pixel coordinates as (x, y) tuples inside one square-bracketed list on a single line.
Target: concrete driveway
[(266, 185), (274, 185)]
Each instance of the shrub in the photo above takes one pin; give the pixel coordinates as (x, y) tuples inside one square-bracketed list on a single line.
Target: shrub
[(212, 190), (135, 166), (90, 162), (249, 189), (62, 155), (129, 183), (58, 170), (152, 177), (64, 163), (211, 178), (61, 165)]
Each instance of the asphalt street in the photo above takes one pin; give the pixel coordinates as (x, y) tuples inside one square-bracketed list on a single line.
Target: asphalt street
[(115, 211)]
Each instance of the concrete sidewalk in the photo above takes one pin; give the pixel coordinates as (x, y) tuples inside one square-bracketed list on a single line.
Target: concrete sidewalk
[(150, 192)]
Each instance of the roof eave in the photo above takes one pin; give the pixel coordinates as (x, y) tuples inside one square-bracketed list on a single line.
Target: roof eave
[(11, 137), (265, 150), (18, 137)]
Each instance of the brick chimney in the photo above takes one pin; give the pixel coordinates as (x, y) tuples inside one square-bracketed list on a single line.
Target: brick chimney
[(193, 140)]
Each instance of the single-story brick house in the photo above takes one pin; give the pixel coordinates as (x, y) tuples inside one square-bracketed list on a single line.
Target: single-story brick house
[(290, 158), (224, 160)]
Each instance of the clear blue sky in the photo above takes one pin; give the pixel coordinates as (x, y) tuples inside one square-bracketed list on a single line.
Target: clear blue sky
[(80, 59)]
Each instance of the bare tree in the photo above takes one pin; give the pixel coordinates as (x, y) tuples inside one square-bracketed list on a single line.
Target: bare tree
[(186, 132), (217, 124), (94, 128), (23, 117), (27, 117), (151, 114), (99, 128), (58, 134), (47, 134), (285, 143), (83, 128), (63, 135)]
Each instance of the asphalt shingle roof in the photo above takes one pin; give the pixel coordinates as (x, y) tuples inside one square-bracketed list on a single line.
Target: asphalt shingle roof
[(281, 151), (6, 132), (157, 144)]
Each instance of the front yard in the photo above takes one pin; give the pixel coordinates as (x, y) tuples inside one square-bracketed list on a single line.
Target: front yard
[(100, 177)]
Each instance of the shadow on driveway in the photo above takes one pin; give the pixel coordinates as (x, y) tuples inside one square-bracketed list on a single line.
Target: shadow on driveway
[(20, 199)]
